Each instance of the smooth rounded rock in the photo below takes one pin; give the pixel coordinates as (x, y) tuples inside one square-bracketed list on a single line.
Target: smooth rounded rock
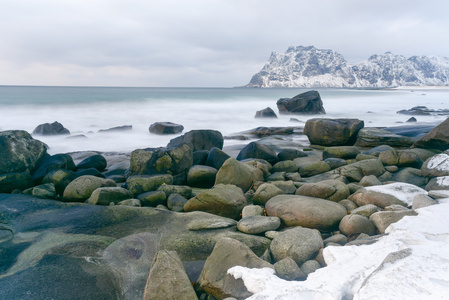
[(300, 244), (306, 211), (265, 192), (355, 224), (258, 224), (82, 187), (107, 195)]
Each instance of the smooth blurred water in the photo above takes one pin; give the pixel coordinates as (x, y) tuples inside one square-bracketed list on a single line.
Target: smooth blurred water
[(86, 110)]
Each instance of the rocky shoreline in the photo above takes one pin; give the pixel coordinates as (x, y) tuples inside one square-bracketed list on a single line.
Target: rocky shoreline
[(150, 223)]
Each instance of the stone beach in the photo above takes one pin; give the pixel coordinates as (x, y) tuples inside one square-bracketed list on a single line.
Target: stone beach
[(171, 221)]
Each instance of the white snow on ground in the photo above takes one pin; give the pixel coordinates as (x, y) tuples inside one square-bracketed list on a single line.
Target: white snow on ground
[(443, 181), (403, 191), (410, 262), (439, 162)]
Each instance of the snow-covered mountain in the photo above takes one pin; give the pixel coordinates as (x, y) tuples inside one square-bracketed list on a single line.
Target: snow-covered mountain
[(312, 67)]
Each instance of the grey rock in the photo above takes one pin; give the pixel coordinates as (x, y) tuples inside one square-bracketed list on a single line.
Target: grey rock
[(201, 176), (340, 239), (343, 152), (422, 200), (266, 113), (13, 181), (97, 161), (372, 137), (288, 187), (436, 166), (370, 180), (437, 138), (305, 103), (365, 210), (182, 190), (300, 244), (333, 190), (258, 150), (43, 191), (355, 224), (228, 253), (306, 211), (258, 224), (168, 279), (176, 202), (204, 139), (216, 158), (285, 166), (438, 183), (288, 269), (130, 202), (237, 173), (82, 188), (265, 192), (290, 154), (333, 132), (410, 175), (356, 171), (54, 128), (145, 183), (223, 200), (107, 195), (310, 266), (152, 198), (383, 219), (165, 128), (252, 210)]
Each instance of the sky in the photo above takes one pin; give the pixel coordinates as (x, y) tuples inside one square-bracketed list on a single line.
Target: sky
[(200, 43)]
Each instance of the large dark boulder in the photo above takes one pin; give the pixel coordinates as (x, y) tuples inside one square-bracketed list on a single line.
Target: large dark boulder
[(437, 138), (333, 132), (54, 128), (172, 160), (54, 162), (308, 103), (216, 158), (257, 150), (20, 152), (204, 139), (266, 113), (165, 128), (12, 181), (96, 161)]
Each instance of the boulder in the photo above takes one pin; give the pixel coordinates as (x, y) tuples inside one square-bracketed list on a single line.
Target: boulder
[(356, 171), (60, 178), (288, 269), (223, 200), (201, 176), (168, 189), (409, 158), (306, 103), (54, 162), (228, 253), (172, 160), (176, 202), (306, 211), (422, 200), (333, 190), (410, 175), (81, 188), (252, 210), (90, 171), (96, 161), (344, 152), (300, 244), (333, 132), (383, 219), (153, 198), (290, 154), (369, 180), (12, 181), (108, 195), (438, 183), (43, 191), (257, 150), (54, 128), (265, 192), (288, 187), (389, 157), (199, 140), (265, 113), (310, 266), (372, 137), (437, 138), (168, 279), (216, 158), (200, 157), (238, 173), (145, 183), (436, 166), (355, 224), (258, 224), (165, 128), (285, 166), (308, 168), (20, 152), (365, 210), (335, 162)]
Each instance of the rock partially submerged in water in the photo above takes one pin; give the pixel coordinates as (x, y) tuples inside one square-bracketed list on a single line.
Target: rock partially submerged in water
[(54, 128), (266, 113), (333, 132), (308, 103), (166, 128)]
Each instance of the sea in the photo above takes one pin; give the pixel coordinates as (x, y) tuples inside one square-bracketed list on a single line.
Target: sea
[(84, 111)]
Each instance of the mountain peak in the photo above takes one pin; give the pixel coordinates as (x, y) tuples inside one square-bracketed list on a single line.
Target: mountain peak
[(307, 66)]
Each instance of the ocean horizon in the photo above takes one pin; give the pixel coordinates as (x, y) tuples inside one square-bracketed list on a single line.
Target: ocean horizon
[(84, 111)]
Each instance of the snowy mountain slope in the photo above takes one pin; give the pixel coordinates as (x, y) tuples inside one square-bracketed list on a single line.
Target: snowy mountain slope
[(312, 67)]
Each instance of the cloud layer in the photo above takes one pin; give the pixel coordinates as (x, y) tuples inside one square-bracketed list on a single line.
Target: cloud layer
[(200, 42)]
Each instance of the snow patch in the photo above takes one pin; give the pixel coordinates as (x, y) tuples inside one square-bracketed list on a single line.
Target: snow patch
[(411, 262), (439, 162)]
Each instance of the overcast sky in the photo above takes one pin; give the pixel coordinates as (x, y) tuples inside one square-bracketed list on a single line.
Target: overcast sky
[(209, 43)]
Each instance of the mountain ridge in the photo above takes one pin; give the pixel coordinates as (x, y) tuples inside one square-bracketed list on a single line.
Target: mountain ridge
[(311, 68)]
